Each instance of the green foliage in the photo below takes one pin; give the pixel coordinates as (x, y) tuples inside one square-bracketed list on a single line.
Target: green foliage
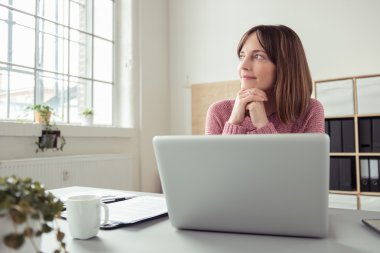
[(24, 199), (44, 111), (87, 112), (49, 139)]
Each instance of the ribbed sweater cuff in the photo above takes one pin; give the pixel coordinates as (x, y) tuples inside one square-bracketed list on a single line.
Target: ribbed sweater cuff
[(234, 129), (268, 129)]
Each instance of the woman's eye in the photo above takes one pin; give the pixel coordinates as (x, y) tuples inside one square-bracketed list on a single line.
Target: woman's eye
[(259, 57), (241, 56)]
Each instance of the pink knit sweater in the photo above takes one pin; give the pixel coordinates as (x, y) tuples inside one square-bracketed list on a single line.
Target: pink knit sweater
[(218, 114)]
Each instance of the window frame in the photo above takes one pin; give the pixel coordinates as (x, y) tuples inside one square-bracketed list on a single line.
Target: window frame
[(36, 70)]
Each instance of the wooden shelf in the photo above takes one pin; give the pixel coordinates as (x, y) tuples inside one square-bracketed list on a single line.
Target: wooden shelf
[(349, 113), (343, 154), (344, 192)]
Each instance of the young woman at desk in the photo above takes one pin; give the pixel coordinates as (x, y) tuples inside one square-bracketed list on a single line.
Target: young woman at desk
[(275, 91)]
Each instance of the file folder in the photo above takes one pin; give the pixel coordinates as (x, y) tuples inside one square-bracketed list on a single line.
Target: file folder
[(365, 144), (348, 135), (327, 127), (376, 134), (334, 173), (346, 174), (364, 175), (335, 136), (374, 175)]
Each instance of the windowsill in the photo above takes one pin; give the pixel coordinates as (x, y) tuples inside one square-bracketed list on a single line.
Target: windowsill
[(32, 130)]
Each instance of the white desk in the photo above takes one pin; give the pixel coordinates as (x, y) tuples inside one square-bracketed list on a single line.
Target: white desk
[(346, 234)]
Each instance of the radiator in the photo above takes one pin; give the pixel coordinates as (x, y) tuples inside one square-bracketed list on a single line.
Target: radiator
[(105, 170)]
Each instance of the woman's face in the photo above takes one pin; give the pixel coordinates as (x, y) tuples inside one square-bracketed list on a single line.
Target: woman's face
[(255, 68)]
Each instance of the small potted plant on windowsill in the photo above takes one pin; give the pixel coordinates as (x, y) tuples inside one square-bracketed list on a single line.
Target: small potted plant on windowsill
[(42, 113), (27, 211), (51, 137), (87, 116)]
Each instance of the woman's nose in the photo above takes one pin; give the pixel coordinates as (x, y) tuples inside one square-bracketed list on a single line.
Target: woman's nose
[(244, 64)]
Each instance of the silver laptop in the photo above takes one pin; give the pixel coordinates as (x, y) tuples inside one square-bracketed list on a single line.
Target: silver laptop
[(263, 184)]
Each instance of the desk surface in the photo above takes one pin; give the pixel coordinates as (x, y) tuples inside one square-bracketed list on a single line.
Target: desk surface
[(346, 234)]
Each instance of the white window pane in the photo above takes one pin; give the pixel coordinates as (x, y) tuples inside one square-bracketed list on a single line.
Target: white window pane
[(21, 91), (103, 60), (80, 54), (57, 11), (102, 103), (4, 41), (368, 95), (80, 97), (3, 93), (103, 18), (3, 13), (80, 15), (23, 30), (336, 97), (24, 5), (53, 89), (53, 48)]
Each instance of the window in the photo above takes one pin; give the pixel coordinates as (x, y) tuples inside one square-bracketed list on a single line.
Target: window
[(57, 52)]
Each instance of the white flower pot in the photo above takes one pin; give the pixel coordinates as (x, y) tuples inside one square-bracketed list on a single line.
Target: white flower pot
[(7, 226), (87, 120)]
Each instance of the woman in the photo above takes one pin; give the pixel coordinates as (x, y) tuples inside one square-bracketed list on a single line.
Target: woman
[(275, 91)]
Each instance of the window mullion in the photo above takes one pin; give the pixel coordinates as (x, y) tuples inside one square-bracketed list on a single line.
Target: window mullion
[(37, 92), (9, 58)]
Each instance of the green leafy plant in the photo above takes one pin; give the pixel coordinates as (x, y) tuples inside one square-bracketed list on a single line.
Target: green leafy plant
[(51, 137), (87, 112), (24, 200), (42, 113)]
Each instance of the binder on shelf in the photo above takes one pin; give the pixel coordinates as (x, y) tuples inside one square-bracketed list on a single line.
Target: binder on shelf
[(364, 175), (348, 135), (327, 127), (335, 135), (365, 143), (346, 175), (334, 173), (374, 175), (376, 134)]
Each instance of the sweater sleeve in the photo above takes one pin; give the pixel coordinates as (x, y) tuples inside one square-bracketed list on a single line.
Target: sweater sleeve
[(215, 118), (267, 129)]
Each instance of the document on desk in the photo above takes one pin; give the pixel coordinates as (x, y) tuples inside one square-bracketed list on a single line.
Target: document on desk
[(136, 209), (133, 210)]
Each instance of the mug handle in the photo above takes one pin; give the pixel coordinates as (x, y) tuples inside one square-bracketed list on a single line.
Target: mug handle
[(106, 212)]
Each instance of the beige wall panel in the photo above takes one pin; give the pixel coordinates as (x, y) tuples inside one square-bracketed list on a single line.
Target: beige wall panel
[(203, 95)]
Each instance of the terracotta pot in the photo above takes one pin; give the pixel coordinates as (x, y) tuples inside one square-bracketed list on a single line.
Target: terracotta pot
[(40, 119)]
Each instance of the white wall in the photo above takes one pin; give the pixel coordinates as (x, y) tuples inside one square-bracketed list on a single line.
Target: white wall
[(154, 92), (341, 38)]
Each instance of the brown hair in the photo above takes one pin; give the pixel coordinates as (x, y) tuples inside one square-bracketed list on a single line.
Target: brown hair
[(293, 84)]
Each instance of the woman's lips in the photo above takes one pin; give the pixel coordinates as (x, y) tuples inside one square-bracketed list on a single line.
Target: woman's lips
[(248, 78)]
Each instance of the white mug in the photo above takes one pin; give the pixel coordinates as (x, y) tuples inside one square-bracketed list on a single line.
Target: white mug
[(83, 215)]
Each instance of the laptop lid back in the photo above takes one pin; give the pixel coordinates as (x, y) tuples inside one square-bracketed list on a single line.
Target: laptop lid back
[(265, 184)]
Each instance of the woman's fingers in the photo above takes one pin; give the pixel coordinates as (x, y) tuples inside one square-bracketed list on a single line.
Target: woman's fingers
[(254, 94)]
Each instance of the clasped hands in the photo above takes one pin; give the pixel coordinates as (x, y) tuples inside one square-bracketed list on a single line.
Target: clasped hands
[(251, 101)]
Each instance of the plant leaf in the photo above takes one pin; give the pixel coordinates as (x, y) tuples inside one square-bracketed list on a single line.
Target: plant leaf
[(14, 240)]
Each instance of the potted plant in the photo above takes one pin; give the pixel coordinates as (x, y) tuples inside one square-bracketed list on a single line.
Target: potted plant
[(42, 113), (51, 137), (26, 212), (87, 116)]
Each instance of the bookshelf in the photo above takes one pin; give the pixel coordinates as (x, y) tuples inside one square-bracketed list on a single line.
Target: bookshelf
[(352, 110)]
